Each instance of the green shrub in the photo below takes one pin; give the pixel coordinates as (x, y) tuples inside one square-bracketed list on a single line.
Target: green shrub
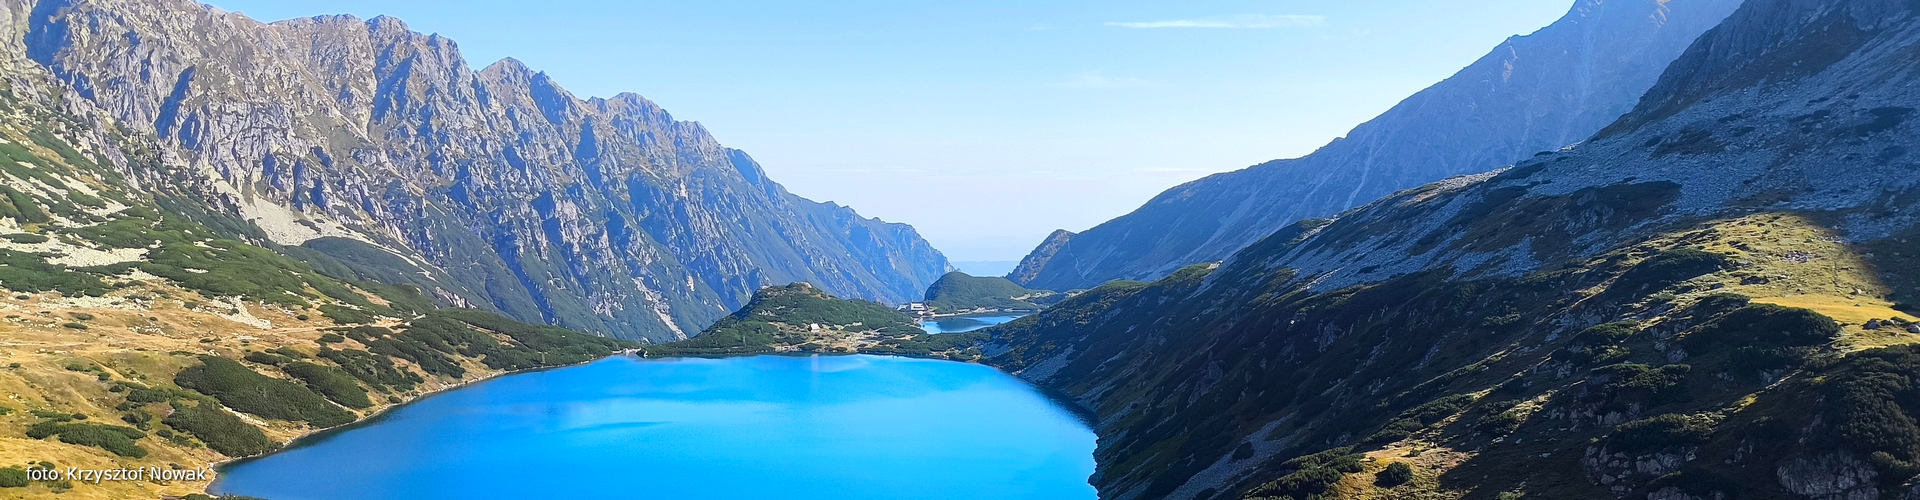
[(1312, 475), (1669, 268), (1635, 377), (81, 316), (331, 382), (345, 315), (139, 419), (231, 268), (141, 394), (1420, 417), (113, 438), (1765, 325), (1500, 424), (331, 338), (30, 273), (1398, 429), (74, 326), (1719, 303), (222, 431), (19, 206), (376, 371), (1661, 432), (245, 390), (13, 477), (920, 343), (532, 345), (266, 358), (1395, 474), (26, 238), (1876, 404), (1749, 359), (1432, 412)]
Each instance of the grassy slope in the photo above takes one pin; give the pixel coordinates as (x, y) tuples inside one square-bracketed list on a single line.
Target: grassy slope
[(1779, 259), (108, 297), (1524, 395)]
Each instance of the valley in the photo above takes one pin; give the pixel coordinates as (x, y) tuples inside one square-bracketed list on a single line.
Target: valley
[(1660, 249)]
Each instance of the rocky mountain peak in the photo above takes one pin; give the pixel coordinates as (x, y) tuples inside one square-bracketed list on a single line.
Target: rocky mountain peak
[(1533, 93), (1799, 38), (605, 216)]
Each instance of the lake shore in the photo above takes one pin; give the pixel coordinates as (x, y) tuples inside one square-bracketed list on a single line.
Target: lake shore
[(624, 402)]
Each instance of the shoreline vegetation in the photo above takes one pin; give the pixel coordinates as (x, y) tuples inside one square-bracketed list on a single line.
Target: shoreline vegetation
[(959, 293), (313, 435), (801, 319)]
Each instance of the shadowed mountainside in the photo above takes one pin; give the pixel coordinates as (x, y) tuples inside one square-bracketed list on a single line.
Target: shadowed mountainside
[(1534, 93), (1712, 299)]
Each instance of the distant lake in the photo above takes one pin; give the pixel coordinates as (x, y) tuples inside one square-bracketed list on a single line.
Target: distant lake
[(958, 324), (759, 427)]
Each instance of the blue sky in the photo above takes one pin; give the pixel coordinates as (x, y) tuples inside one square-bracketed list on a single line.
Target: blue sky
[(986, 124)]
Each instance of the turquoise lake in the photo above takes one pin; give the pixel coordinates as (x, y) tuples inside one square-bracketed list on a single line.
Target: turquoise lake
[(758, 427), (961, 324)]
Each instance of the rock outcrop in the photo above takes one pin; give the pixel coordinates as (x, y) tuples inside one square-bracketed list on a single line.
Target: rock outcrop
[(1036, 261), (360, 137)]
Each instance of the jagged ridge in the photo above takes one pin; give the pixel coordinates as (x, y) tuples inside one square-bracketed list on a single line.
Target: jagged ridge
[(606, 215)]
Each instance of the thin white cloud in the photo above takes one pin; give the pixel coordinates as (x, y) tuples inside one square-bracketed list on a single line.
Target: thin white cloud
[(1247, 21), (1095, 80)]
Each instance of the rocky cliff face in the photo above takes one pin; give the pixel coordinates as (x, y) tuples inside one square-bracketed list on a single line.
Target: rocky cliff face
[(360, 138), (1036, 261), (1534, 93), (1710, 299)]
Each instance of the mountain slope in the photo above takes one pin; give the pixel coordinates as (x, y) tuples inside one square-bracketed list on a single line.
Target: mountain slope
[(959, 291), (1711, 299), (799, 318), (1534, 93), (361, 138), (137, 335)]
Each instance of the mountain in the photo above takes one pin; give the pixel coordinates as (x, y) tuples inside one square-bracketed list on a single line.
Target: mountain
[(799, 318), (375, 151), (140, 335), (1030, 266), (958, 291), (1714, 297), (1533, 93)]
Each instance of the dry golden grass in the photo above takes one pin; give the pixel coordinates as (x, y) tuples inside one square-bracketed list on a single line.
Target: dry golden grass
[(148, 342), (1791, 260)]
